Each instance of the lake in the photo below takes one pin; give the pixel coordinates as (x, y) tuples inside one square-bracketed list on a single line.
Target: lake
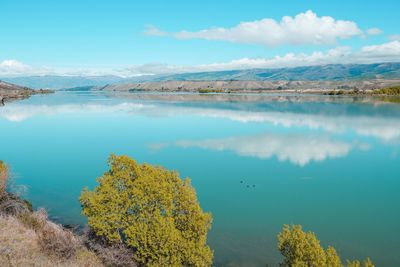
[(331, 164)]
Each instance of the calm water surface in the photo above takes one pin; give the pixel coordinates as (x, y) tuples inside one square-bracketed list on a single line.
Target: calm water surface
[(329, 164)]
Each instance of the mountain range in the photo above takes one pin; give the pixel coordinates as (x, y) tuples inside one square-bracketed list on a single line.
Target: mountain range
[(332, 72)]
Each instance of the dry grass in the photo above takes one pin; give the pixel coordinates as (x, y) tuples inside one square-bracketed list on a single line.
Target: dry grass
[(56, 241), (47, 245), (29, 239), (110, 254), (10, 203)]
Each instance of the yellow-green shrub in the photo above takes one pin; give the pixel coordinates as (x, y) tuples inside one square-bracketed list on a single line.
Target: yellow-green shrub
[(302, 249), (394, 90), (208, 90), (3, 177), (151, 210)]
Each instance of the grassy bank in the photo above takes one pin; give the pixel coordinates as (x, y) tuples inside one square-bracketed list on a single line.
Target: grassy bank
[(389, 91), (29, 238)]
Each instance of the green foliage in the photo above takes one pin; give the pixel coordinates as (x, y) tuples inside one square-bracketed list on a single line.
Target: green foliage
[(302, 249), (26, 93), (207, 91), (4, 176), (28, 204), (389, 91), (151, 210), (341, 92), (367, 263), (299, 248), (46, 91), (394, 90), (31, 221)]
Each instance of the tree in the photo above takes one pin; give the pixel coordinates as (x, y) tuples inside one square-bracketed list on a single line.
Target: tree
[(302, 249), (151, 210)]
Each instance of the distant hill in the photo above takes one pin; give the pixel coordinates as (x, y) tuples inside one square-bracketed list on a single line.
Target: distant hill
[(58, 82), (232, 86), (11, 92), (353, 72), (322, 72)]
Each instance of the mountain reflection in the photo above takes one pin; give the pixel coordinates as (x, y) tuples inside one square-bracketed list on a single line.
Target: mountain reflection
[(315, 113)]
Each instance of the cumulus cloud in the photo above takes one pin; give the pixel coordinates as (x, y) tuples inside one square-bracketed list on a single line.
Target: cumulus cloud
[(374, 31), (13, 67), (303, 29), (296, 148), (386, 52), (151, 30)]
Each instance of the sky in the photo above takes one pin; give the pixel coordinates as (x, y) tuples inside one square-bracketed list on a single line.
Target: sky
[(133, 38)]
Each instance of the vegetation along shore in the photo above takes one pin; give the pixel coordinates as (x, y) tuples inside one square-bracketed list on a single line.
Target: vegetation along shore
[(138, 215)]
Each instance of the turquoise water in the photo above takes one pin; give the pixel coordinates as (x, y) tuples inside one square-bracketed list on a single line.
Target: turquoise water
[(329, 164)]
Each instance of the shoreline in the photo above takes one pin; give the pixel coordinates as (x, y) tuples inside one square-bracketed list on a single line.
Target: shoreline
[(7, 98), (10, 92)]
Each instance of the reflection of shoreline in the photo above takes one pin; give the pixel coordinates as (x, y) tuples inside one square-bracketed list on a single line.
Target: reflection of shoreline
[(254, 97), (335, 117)]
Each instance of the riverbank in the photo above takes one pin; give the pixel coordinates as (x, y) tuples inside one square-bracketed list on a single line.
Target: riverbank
[(388, 91), (11, 92), (247, 86), (28, 237)]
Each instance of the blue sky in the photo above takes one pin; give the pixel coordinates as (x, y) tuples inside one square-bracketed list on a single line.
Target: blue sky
[(108, 36)]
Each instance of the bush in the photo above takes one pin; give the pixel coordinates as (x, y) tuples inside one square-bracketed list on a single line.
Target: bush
[(53, 239), (394, 90), (116, 254), (32, 221), (341, 92), (332, 93), (12, 204), (4, 176), (151, 210), (303, 249), (26, 93), (207, 91)]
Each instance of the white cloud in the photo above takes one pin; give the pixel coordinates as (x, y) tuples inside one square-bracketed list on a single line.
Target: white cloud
[(14, 67), (394, 37), (296, 148), (387, 52), (151, 30), (304, 29), (374, 31)]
